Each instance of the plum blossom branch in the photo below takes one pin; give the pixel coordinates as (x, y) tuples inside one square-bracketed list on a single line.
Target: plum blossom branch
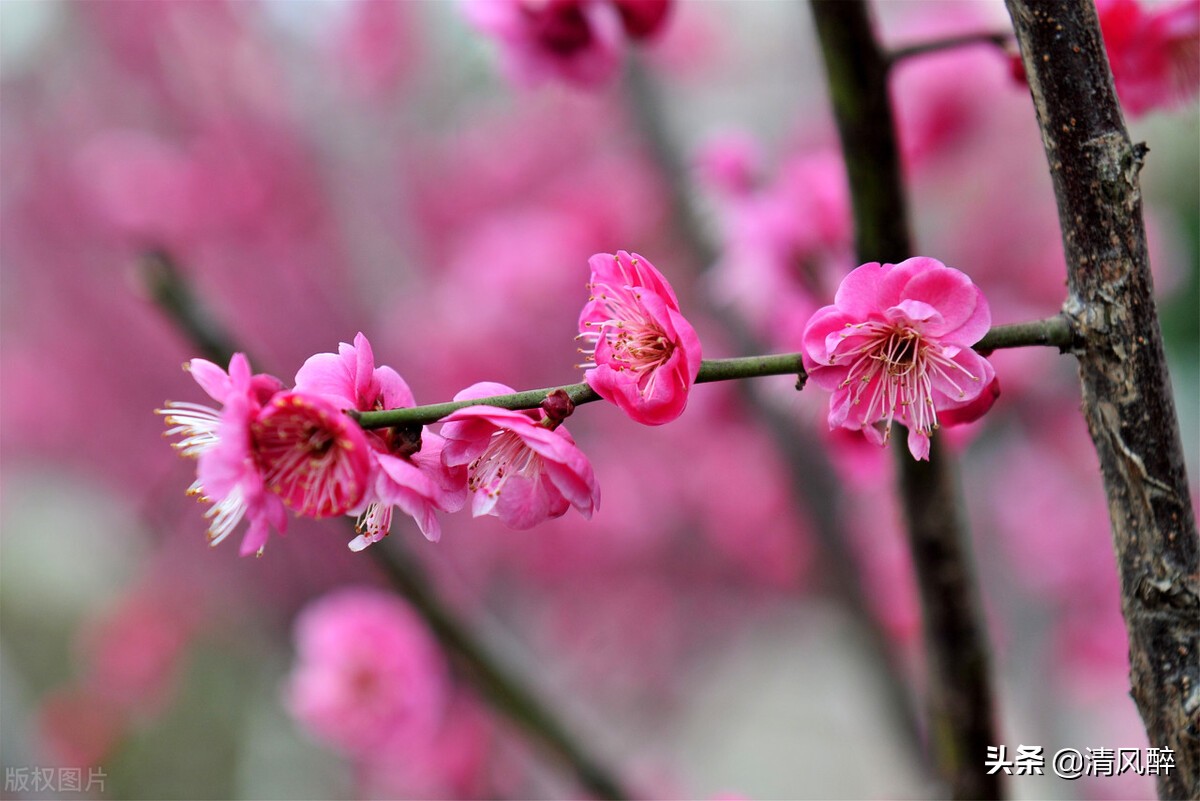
[(499, 684), (959, 686), (999, 39), (1054, 331)]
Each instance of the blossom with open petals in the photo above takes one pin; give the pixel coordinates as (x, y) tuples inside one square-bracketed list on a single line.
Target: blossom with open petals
[(646, 355), (227, 473), (895, 346), (522, 467), (406, 470)]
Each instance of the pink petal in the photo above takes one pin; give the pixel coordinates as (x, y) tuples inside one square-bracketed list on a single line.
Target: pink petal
[(577, 484), (328, 375), (914, 311), (918, 445), (823, 332), (393, 389), (211, 378), (974, 409), (364, 367), (255, 538), (239, 370), (972, 363), (484, 389), (858, 295), (524, 502), (964, 310)]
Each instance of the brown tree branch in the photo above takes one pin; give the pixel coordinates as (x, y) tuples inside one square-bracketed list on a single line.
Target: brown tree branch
[(1126, 389), (960, 693)]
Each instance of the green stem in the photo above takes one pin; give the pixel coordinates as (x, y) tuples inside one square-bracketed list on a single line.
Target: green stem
[(1053, 331)]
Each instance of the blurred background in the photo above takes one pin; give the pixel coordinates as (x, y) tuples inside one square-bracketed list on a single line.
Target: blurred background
[(739, 617)]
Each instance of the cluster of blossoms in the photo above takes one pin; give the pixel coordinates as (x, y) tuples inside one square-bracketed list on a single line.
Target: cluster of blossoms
[(269, 448), (894, 347)]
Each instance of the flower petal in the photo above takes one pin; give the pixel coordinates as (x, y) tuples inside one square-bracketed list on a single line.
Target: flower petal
[(857, 296)]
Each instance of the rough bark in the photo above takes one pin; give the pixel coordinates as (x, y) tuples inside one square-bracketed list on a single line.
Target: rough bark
[(961, 724), (1126, 390)]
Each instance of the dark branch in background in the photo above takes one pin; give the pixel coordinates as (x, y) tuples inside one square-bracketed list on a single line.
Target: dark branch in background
[(961, 725), (168, 289), (1126, 389), (811, 474), (499, 685)]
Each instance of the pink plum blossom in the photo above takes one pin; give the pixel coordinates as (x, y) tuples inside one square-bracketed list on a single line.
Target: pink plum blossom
[(228, 475), (896, 346), (406, 472), (646, 354), (367, 674), (521, 467), (577, 40)]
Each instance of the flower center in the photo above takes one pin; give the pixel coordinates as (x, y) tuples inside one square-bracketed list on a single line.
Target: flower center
[(309, 457), (505, 456), (636, 342), (894, 367)]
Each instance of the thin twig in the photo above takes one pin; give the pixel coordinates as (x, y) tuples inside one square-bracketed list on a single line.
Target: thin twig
[(999, 39)]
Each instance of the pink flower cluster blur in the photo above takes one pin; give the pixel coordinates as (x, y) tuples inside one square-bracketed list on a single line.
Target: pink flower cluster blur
[(1153, 52), (579, 41)]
